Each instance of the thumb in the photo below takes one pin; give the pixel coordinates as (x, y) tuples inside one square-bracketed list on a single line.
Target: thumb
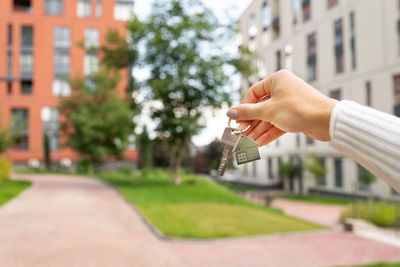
[(248, 112)]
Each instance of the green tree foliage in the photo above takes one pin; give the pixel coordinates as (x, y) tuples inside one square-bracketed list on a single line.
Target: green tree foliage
[(98, 120), (288, 169), (7, 139), (315, 167), (144, 144), (188, 69), (214, 154)]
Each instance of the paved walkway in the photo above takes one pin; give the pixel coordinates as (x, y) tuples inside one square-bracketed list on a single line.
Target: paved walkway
[(327, 215), (66, 221)]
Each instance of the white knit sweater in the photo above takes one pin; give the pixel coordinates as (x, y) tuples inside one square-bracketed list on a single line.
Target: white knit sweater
[(368, 136)]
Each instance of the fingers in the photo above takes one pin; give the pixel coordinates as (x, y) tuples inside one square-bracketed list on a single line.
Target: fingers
[(269, 136), (259, 129), (258, 91), (248, 112)]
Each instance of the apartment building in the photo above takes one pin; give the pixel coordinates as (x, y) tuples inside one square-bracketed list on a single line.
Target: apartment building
[(347, 49), (39, 52)]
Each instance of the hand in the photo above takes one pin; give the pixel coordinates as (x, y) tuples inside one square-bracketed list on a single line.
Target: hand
[(284, 103)]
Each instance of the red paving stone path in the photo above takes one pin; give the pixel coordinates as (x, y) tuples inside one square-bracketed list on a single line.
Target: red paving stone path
[(327, 215), (66, 221)]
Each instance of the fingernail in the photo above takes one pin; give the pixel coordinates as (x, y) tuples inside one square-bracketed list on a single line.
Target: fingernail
[(233, 114)]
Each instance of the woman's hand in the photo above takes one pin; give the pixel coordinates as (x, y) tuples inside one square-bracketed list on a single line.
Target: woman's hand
[(284, 103)]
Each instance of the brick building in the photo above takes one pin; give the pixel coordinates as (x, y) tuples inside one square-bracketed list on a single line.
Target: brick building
[(38, 52)]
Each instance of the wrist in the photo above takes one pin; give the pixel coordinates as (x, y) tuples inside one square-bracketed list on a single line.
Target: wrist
[(323, 116)]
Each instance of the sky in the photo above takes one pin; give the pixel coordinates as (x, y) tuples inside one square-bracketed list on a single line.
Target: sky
[(225, 11)]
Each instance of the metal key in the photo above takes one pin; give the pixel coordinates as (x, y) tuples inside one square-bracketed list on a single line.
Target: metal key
[(229, 139)]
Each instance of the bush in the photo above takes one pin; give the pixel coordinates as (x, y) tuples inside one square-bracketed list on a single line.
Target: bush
[(5, 169), (379, 213)]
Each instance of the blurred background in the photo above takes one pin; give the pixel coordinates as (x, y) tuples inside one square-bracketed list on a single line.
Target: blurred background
[(134, 94)]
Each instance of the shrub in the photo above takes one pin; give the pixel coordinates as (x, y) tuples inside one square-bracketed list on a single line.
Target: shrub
[(5, 169), (379, 213)]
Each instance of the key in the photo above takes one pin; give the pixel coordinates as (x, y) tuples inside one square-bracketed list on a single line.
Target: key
[(245, 150), (229, 139)]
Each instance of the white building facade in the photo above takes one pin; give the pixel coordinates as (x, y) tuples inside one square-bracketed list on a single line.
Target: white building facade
[(347, 49)]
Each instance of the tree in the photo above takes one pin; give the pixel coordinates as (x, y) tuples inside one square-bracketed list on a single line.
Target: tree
[(188, 69), (7, 139), (144, 144), (98, 121), (288, 170), (315, 166)]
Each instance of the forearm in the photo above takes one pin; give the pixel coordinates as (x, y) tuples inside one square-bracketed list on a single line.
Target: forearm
[(368, 136)]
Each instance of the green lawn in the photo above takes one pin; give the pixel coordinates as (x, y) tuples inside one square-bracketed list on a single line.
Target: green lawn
[(381, 265), (318, 199), (10, 189), (200, 208)]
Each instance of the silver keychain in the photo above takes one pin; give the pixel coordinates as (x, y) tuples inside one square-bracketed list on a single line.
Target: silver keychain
[(236, 143)]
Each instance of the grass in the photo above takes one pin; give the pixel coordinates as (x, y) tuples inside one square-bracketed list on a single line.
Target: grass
[(396, 264), (10, 189), (200, 208), (379, 213), (318, 199)]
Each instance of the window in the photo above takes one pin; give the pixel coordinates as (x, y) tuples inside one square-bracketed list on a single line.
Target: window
[(9, 35), (9, 64), (295, 10), (278, 60), (123, 9), (306, 6), (332, 3), (368, 94), (22, 5), (26, 64), (99, 8), (53, 7), (245, 171), (9, 88), (61, 87), (26, 36), (254, 169), (50, 119), (312, 57), (288, 57), (362, 174), (91, 64), (26, 87), (20, 126), (91, 61), (252, 27), (353, 41), (62, 43), (397, 95), (61, 64), (91, 38), (322, 179), (339, 58), (62, 37), (309, 141), (9, 50), (84, 8), (266, 16), (338, 173), (336, 94), (297, 140), (270, 170)]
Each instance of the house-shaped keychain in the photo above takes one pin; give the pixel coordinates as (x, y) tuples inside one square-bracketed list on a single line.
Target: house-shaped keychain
[(245, 150)]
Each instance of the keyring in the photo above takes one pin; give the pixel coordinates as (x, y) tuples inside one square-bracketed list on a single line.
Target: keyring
[(239, 131)]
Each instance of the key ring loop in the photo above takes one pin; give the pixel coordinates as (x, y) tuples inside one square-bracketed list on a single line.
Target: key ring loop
[(239, 131)]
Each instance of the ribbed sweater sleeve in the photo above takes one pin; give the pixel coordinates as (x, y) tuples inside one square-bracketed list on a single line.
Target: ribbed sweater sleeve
[(368, 136)]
